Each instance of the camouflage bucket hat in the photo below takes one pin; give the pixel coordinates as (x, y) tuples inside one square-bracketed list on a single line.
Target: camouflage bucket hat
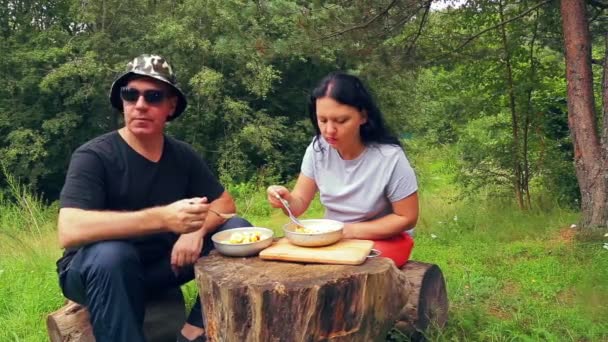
[(153, 66)]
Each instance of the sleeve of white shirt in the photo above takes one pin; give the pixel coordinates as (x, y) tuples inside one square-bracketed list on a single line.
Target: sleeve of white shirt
[(308, 168), (402, 182)]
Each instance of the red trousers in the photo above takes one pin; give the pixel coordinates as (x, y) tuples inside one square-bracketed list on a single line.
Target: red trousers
[(398, 248)]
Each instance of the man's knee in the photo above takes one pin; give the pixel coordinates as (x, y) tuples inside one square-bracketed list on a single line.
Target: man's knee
[(235, 222), (110, 257), (96, 264)]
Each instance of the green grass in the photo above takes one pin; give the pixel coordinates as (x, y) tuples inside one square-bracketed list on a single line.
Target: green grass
[(511, 275), (28, 282), (540, 287), (505, 281)]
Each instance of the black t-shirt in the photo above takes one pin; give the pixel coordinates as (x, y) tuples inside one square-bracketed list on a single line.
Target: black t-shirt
[(107, 174)]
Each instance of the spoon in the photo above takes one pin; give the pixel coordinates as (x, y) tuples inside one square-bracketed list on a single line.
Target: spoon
[(286, 205), (222, 215)]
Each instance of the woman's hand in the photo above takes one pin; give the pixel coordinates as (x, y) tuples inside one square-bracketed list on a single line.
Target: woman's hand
[(275, 190), (298, 199)]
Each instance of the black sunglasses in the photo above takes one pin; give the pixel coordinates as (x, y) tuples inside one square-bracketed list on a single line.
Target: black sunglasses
[(151, 96)]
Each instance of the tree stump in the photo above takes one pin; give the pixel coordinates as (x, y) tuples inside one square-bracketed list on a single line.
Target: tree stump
[(165, 315), (250, 299)]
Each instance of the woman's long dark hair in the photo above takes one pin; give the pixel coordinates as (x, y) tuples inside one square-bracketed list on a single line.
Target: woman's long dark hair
[(349, 90)]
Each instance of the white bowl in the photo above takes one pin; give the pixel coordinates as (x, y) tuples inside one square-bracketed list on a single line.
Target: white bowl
[(242, 249), (331, 233)]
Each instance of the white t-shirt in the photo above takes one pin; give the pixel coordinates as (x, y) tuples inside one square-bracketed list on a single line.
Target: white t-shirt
[(361, 189)]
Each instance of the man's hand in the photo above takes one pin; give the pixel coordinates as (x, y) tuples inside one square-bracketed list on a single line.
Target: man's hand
[(185, 216), (186, 250)]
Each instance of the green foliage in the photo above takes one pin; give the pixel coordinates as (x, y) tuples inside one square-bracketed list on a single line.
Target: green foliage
[(247, 68), (207, 82), (485, 153), (232, 57), (466, 102)]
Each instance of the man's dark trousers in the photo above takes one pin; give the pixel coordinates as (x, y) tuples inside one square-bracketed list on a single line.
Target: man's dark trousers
[(110, 279)]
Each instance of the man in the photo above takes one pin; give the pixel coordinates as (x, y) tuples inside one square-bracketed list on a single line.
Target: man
[(134, 209)]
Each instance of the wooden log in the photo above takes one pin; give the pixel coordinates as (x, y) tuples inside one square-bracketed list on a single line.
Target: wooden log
[(165, 315), (249, 299), (70, 323), (427, 305)]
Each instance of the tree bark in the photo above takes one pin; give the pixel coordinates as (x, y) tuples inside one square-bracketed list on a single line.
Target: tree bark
[(250, 299), (589, 155), (605, 97)]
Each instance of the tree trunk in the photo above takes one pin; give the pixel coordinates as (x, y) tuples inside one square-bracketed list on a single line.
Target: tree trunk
[(528, 114), (250, 299), (605, 98), (589, 156), (165, 315), (515, 148)]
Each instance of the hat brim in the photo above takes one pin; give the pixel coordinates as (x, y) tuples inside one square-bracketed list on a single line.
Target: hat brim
[(120, 82)]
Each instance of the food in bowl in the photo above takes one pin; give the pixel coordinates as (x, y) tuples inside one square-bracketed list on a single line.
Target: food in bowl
[(240, 242), (244, 237), (314, 229)]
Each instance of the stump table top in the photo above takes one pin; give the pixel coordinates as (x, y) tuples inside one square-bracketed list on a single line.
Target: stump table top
[(259, 272)]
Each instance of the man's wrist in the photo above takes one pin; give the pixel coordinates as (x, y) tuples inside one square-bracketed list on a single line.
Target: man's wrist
[(155, 217)]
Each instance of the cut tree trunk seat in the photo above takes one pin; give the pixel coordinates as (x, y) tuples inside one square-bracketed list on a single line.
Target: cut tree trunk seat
[(165, 315)]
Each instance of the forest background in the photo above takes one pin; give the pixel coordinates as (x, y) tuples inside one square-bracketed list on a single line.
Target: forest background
[(475, 89)]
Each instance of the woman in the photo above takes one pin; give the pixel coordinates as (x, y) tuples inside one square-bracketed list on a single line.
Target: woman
[(358, 167)]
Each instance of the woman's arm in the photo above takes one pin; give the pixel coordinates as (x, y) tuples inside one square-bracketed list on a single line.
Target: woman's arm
[(404, 216), (299, 198)]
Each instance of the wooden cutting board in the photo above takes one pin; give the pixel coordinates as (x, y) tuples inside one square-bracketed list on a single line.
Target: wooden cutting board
[(345, 251)]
